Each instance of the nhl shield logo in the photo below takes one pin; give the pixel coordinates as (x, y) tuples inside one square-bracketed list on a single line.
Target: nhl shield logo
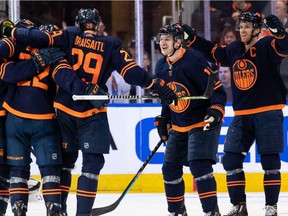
[(86, 145), (54, 156)]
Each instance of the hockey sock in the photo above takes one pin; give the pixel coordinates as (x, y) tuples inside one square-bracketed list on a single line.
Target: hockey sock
[(51, 185), (65, 186), (4, 189), (86, 192), (203, 174), (236, 185), (174, 185), (272, 184), (88, 182), (19, 185), (174, 194), (206, 186)]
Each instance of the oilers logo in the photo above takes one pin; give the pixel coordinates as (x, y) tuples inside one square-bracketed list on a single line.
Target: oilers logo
[(180, 90), (244, 74)]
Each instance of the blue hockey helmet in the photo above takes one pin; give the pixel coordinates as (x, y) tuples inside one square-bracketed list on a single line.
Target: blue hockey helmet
[(175, 30), (87, 19), (254, 18)]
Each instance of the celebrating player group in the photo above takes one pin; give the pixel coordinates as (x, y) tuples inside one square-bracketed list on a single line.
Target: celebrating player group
[(42, 68)]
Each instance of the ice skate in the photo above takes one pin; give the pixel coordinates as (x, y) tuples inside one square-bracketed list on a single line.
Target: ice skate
[(51, 212), (181, 212), (19, 208), (215, 212), (238, 210), (271, 210)]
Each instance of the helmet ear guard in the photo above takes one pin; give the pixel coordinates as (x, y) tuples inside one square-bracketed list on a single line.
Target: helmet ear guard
[(87, 19)]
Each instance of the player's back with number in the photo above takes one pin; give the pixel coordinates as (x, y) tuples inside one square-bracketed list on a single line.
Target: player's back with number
[(93, 57)]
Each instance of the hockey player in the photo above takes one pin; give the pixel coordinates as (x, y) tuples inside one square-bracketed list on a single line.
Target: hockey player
[(4, 168), (84, 124), (31, 123), (196, 125), (254, 64)]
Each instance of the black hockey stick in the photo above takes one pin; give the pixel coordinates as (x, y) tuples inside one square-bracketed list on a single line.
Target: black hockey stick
[(130, 97), (179, 11), (106, 209), (212, 80)]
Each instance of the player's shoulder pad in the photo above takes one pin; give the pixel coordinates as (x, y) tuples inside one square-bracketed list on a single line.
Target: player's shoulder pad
[(113, 40), (160, 65), (194, 56), (73, 29)]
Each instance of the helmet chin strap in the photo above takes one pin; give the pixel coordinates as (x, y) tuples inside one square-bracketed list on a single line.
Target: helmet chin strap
[(174, 50), (252, 37)]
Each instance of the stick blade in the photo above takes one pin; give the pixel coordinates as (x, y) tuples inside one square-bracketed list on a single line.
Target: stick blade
[(104, 210), (211, 84)]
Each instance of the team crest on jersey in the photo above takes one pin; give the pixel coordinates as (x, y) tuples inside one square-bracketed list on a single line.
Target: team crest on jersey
[(244, 74), (180, 90)]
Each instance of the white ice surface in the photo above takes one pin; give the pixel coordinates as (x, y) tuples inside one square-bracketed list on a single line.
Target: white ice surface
[(142, 204)]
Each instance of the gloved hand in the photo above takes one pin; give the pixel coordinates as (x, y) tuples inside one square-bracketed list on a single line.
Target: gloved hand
[(47, 56), (166, 95), (274, 25), (6, 27), (94, 89), (189, 34), (163, 125), (214, 117)]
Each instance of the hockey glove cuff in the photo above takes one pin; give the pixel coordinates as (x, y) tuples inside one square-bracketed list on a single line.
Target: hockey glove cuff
[(94, 89), (214, 117), (189, 34), (163, 125), (274, 25), (47, 56)]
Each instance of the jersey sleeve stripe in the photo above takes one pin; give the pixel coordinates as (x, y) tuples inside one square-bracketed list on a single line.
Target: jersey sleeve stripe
[(51, 39), (3, 69), (274, 47), (127, 67), (11, 46)]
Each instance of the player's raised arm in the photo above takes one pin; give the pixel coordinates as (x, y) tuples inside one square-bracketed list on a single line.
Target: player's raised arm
[(280, 45), (29, 37)]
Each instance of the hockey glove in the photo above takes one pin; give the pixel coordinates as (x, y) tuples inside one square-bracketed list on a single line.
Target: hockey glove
[(6, 27), (214, 117), (274, 25), (94, 89), (166, 95), (189, 34), (47, 56), (163, 125)]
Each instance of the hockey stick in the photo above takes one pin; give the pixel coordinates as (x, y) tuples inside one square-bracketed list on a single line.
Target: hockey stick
[(130, 97), (113, 206), (180, 11), (212, 80)]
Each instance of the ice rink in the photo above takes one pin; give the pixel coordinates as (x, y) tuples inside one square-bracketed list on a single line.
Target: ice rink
[(140, 204)]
